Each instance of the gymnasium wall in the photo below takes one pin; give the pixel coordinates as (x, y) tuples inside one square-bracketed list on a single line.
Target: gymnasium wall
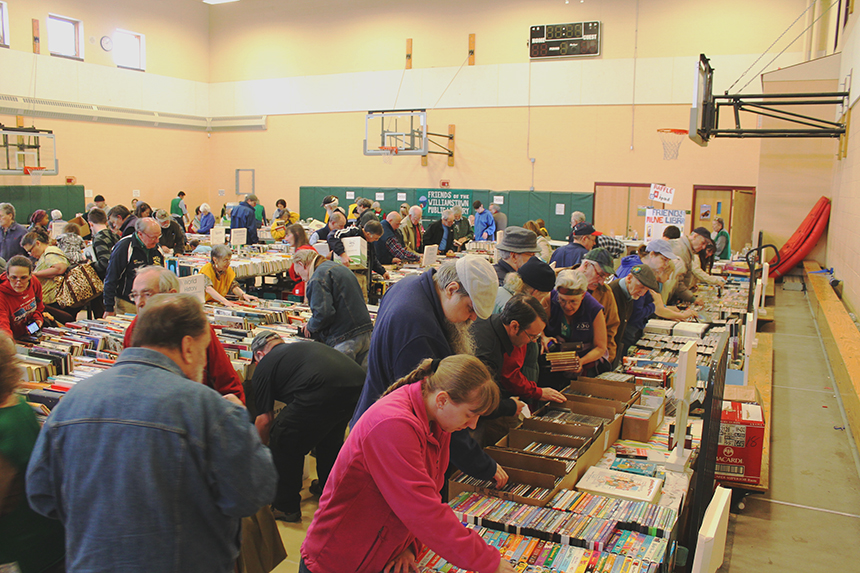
[(314, 67), (843, 238)]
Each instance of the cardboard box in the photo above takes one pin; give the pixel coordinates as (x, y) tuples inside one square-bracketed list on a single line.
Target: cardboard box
[(516, 475), (639, 429), (609, 389), (356, 249), (745, 394), (740, 445)]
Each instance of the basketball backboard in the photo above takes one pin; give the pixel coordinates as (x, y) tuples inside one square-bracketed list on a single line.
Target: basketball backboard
[(27, 147), (702, 111), (405, 130)]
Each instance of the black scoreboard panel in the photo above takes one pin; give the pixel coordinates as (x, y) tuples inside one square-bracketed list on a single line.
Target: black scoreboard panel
[(565, 40)]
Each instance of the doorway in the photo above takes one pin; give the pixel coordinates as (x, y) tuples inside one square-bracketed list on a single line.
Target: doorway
[(619, 208), (735, 205)]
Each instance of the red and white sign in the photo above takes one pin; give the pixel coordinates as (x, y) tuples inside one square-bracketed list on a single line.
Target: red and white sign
[(661, 193)]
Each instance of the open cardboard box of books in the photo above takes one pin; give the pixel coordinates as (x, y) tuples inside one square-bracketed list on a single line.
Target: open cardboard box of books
[(640, 428), (609, 412), (516, 475), (598, 388)]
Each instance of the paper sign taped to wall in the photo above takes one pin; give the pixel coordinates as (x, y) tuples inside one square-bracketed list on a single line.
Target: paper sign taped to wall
[(193, 285), (221, 192), (88, 192), (217, 236), (559, 208), (499, 199), (380, 197), (350, 194), (401, 196), (662, 193), (238, 237)]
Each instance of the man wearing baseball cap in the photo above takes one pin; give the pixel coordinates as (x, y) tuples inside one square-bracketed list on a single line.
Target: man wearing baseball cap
[(584, 238), (659, 256), (626, 291), (686, 247), (428, 316), (597, 267), (517, 246)]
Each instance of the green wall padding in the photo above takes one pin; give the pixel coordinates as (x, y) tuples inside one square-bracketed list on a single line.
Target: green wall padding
[(27, 198), (520, 206)]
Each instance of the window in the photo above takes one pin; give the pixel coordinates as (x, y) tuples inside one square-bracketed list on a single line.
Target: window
[(4, 25), (65, 37), (129, 50)]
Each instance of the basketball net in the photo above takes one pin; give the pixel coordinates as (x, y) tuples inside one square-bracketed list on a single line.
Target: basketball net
[(35, 174), (388, 153), (672, 139)]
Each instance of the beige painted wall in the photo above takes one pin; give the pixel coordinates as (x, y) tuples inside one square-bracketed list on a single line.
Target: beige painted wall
[(177, 31), (332, 36), (795, 173)]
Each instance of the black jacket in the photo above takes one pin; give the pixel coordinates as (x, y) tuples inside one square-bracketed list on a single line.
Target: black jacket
[(491, 344), (434, 233), (625, 309)]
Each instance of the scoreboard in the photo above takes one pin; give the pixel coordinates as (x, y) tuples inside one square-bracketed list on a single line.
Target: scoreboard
[(565, 40)]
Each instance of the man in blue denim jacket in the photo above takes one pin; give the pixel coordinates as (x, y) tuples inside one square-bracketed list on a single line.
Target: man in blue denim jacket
[(147, 468)]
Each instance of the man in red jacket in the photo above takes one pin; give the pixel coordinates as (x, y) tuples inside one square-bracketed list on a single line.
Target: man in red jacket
[(20, 298), (219, 373)]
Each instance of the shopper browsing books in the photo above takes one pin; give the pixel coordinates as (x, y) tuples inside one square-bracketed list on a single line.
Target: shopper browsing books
[(51, 264), (576, 317), (382, 499), (150, 469), (221, 279), (428, 316), (29, 542), (219, 373), (20, 298), (320, 387)]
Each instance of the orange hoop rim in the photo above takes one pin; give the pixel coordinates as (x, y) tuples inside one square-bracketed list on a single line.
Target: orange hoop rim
[(30, 170), (673, 131), (389, 148)]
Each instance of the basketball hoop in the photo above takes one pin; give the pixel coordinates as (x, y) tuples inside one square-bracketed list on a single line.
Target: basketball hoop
[(35, 174), (671, 139), (388, 152)]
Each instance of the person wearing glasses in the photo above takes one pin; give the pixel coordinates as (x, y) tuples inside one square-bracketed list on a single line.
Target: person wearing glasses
[(501, 343), (576, 317), (51, 264), (219, 372), (20, 298), (130, 253), (597, 266), (221, 279)]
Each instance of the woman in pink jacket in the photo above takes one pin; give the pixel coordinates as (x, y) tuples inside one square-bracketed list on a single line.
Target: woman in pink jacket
[(381, 501)]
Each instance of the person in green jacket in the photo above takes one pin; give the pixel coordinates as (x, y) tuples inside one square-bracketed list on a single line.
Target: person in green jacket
[(34, 543), (721, 239), (179, 211)]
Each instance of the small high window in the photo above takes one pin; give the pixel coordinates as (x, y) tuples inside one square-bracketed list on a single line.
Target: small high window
[(4, 25), (129, 50), (65, 37)]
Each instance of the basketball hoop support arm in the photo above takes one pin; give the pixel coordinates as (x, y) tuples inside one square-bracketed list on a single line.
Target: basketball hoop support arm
[(767, 105), (448, 150)]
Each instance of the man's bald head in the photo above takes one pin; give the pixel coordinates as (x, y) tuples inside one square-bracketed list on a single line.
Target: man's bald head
[(148, 231), (394, 219)]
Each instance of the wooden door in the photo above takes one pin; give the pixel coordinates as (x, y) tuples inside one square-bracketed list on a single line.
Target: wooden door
[(619, 209), (709, 203), (743, 213)]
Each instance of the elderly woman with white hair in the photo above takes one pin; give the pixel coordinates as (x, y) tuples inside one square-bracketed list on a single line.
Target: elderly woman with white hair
[(575, 316), (207, 219)]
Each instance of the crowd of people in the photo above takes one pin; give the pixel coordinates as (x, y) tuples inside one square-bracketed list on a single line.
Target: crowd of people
[(164, 438)]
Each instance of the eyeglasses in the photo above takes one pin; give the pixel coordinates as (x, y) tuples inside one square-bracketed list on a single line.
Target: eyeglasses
[(142, 295), (28, 248), (158, 236), (532, 337), (13, 278)]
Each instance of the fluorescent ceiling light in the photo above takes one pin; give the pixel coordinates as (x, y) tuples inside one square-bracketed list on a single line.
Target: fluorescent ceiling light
[(218, 1)]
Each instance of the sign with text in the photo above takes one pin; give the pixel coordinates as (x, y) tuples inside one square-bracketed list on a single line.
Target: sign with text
[(438, 201), (217, 236), (656, 220), (428, 259), (662, 193), (193, 285), (238, 237), (401, 196)]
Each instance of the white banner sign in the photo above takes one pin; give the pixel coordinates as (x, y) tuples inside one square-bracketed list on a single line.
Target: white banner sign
[(656, 220), (662, 193)]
